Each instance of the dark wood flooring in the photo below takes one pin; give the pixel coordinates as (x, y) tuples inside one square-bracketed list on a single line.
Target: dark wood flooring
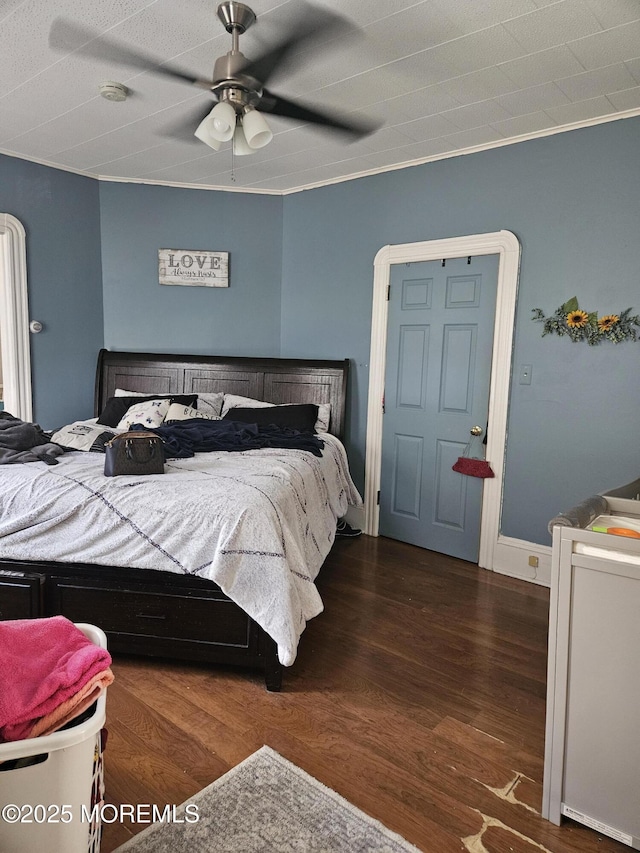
[(419, 695)]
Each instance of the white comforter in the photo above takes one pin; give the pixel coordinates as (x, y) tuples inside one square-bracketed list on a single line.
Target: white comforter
[(259, 523)]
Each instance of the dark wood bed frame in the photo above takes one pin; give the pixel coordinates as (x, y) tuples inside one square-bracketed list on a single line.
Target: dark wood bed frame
[(158, 613)]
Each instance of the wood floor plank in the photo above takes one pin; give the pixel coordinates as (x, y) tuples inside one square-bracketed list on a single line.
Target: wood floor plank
[(493, 748), (178, 745), (137, 765), (418, 694), (177, 694)]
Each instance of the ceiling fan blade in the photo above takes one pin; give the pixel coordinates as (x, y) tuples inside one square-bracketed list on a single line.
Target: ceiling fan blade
[(183, 129), (312, 25), (72, 38), (356, 128)]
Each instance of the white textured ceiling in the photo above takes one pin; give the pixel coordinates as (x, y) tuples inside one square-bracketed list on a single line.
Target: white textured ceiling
[(444, 76)]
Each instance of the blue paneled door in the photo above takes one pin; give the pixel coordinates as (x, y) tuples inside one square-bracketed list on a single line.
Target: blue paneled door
[(439, 348)]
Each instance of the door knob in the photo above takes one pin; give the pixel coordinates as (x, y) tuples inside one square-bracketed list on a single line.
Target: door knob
[(476, 430)]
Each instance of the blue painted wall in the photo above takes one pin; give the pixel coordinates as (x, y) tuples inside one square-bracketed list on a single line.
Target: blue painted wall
[(140, 314), (573, 200), (61, 216), (301, 286)]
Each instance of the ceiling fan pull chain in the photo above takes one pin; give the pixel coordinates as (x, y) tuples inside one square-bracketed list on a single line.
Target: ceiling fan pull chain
[(233, 165)]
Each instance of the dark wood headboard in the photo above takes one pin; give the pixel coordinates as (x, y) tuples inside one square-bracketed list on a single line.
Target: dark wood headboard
[(274, 380)]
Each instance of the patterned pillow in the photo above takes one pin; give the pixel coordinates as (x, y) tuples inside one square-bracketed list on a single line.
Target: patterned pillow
[(211, 404), (184, 413), (149, 414), (83, 435), (116, 407)]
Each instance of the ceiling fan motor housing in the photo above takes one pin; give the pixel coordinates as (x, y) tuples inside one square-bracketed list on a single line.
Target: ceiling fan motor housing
[(230, 84)]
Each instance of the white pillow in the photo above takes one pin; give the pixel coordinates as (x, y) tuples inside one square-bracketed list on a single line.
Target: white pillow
[(324, 417), (233, 401), (83, 435), (149, 414), (178, 412), (210, 404)]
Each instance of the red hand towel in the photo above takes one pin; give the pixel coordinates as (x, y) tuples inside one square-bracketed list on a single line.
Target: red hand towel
[(43, 664)]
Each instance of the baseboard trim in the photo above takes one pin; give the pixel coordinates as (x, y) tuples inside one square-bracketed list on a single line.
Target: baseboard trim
[(511, 557)]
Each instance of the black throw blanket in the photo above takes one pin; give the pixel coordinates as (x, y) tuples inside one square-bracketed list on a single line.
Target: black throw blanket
[(200, 435)]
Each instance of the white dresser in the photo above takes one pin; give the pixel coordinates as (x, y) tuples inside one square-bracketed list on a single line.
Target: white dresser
[(592, 750)]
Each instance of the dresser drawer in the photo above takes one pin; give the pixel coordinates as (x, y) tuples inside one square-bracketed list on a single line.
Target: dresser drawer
[(20, 594), (194, 617)]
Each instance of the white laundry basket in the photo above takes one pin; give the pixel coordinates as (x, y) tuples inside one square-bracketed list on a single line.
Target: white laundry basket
[(47, 807)]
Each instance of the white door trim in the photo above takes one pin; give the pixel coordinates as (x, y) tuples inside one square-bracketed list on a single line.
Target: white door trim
[(506, 245), (14, 318)]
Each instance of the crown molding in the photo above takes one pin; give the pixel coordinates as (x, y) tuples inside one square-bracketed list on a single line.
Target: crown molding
[(48, 163), (145, 181), (460, 152), (448, 155)]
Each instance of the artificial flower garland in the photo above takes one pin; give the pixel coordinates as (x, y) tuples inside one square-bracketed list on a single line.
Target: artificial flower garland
[(569, 319)]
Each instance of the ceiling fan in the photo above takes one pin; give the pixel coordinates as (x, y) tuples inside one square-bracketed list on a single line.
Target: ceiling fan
[(238, 84)]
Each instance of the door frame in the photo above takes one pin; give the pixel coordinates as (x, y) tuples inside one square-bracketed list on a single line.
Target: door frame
[(506, 245), (14, 318)]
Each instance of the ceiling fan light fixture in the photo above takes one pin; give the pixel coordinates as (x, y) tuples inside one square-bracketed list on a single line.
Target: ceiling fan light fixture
[(202, 133), (240, 145), (221, 121), (256, 130)]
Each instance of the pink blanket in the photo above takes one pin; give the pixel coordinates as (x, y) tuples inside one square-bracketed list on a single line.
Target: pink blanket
[(48, 669)]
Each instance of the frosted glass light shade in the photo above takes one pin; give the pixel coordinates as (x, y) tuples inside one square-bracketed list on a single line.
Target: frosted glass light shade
[(219, 124), (240, 145), (223, 116), (202, 133), (256, 129)]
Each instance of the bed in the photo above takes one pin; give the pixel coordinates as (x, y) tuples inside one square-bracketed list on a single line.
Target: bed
[(202, 600)]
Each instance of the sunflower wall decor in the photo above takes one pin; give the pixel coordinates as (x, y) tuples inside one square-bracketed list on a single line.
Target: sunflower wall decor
[(569, 319)]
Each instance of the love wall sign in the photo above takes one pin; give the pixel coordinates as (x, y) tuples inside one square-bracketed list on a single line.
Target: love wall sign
[(193, 268)]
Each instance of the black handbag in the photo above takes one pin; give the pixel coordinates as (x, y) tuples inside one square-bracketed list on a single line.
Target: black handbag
[(134, 452)]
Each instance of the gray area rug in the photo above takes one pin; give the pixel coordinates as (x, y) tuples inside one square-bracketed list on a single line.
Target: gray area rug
[(268, 804)]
